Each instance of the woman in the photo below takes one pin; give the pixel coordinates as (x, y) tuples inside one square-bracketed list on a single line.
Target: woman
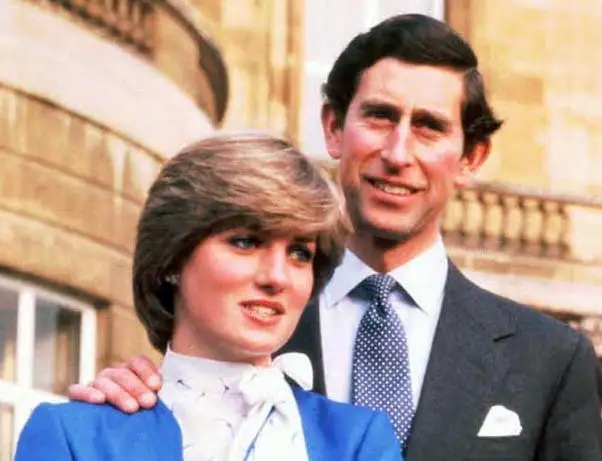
[(238, 232)]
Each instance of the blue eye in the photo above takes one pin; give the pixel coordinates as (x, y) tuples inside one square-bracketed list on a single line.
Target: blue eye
[(244, 242), (302, 253)]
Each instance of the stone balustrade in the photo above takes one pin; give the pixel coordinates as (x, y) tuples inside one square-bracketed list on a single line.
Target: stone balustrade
[(516, 220), (166, 34), (127, 21)]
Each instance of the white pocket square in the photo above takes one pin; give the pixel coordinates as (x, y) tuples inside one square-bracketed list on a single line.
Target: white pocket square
[(500, 422)]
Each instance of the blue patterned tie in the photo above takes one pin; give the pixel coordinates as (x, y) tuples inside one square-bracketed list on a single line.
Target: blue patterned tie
[(381, 367)]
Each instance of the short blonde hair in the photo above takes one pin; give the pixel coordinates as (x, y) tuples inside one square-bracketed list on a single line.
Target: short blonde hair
[(220, 183)]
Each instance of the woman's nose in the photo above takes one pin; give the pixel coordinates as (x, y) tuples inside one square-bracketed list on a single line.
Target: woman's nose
[(273, 270)]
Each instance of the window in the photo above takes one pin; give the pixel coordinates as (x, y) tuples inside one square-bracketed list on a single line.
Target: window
[(47, 341)]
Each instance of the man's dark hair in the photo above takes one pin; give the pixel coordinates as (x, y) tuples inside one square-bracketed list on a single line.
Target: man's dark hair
[(421, 40)]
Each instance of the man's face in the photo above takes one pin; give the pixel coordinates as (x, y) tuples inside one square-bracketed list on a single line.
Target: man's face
[(400, 149)]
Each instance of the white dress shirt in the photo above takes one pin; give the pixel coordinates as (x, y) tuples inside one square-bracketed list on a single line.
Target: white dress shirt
[(236, 411), (341, 310)]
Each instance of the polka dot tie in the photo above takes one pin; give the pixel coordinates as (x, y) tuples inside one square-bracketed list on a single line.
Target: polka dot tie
[(381, 366)]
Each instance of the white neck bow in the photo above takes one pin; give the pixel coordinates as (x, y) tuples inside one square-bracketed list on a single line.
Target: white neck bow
[(267, 384)]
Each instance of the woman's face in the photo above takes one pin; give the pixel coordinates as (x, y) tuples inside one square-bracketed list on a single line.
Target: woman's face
[(241, 295)]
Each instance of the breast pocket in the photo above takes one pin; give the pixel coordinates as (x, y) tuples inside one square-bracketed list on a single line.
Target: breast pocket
[(499, 448)]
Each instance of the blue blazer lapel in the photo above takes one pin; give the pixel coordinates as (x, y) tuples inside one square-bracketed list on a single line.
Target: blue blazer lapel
[(314, 439), (465, 366), (339, 432)]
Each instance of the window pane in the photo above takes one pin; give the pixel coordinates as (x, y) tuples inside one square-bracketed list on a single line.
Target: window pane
[(56, 350), (9, 302), (6, 432)]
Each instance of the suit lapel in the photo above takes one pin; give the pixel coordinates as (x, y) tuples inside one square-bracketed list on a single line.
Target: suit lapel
[(314, 439), (307, 340), (464, 368)]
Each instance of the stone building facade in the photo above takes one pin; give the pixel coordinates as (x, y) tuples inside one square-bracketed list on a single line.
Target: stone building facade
[(530, 228), (95, 95)]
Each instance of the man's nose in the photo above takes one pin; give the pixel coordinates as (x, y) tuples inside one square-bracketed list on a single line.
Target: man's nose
[(396, 151)]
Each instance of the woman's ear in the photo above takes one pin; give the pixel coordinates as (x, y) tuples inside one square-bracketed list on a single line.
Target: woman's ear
[(471, 162), (331, 127)]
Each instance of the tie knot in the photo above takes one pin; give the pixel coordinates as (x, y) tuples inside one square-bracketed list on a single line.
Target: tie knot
[(380, 286)]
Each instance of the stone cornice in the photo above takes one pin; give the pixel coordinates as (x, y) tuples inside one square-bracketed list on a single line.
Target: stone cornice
[(210, 56)]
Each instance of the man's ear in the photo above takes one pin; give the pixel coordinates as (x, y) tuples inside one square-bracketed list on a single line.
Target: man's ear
[(332, 129), (471, 162)]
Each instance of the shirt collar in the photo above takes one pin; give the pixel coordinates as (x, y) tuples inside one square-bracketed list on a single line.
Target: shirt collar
[(178, 366), (423, 278)]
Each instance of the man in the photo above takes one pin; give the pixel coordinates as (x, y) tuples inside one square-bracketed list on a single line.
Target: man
[(474, 375)]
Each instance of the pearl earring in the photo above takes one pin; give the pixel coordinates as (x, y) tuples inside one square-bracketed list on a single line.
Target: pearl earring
[(173, 279)]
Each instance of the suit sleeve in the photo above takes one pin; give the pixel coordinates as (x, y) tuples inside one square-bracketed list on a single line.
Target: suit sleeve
[(379, 441), (43, 437), (573, 430)]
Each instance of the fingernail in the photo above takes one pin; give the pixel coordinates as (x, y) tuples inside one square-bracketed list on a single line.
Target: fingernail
[(153, 381), (98, 397), (147, 398), (130, 405)]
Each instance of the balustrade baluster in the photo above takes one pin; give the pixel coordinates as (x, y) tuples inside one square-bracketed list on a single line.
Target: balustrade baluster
[(471, 218), (452, 219), (77, 5), (551, 229), (109, 13), (513, 223), (531, 230), (145, 25), (129, 21), (492, 220), (94, 9), (564, 249), (505, 222)]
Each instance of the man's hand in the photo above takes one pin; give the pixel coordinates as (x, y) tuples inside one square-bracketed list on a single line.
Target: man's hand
[(128, 386)]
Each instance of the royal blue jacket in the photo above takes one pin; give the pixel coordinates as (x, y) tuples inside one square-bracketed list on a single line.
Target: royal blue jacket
[(85, 432)]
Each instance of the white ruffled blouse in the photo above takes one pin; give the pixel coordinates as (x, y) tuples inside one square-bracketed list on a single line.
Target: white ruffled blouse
[(235, 411)]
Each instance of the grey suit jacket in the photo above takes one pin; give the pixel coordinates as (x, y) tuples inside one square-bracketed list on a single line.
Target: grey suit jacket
[(488, 351)]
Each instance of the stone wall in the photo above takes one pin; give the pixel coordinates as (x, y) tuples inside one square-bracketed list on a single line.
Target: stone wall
[(70, 194), (85, 121), (59, 58), (261, 43), (541, 64)]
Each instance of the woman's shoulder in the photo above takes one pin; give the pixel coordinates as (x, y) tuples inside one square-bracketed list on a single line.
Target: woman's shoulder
[(73, 411), (88, 430), (79, 419)]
